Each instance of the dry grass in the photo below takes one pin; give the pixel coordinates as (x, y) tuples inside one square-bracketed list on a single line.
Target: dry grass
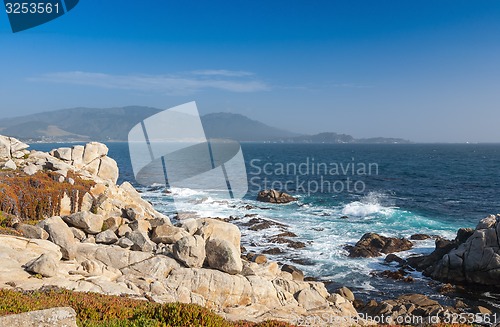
[(33, 198)]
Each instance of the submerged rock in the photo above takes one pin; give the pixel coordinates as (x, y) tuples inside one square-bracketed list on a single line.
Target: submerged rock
[(419, 237), (273, 196), (373, 245)]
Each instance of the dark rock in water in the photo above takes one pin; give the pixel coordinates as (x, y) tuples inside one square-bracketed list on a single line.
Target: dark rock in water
[(470, 259), (302, 261), (424, 262), (463, 235), (289, 243), (394, 258), (286, 234), (297, 274), (427, 263), (373, 245), (261, 226), (344, 217), (250, 215), (257, 224), (459, 304), (400, 274), (273, 251), (419, 237), (446, 288), (273, 196), (233, 218), (474, 261), (248, 256)]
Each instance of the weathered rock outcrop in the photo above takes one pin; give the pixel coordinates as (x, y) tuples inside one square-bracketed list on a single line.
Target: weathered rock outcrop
[(258, 293), (475, 261), (11, 148), (412, 308), (55, 317), (373, 245), (273, 196)]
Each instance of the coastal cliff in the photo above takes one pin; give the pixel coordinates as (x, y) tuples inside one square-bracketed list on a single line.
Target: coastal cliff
[(88, 234)]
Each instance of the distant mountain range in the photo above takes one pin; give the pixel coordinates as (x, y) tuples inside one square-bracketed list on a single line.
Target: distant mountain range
[(113, 124)]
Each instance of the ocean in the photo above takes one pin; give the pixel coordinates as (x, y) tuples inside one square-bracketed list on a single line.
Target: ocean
[(345, 191)]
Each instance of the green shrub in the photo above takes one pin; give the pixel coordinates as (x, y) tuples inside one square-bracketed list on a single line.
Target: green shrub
[(98, 310)]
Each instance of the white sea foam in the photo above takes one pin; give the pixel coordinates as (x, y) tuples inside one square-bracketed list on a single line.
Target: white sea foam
[(360, 209), (186, 192), (371, 204)]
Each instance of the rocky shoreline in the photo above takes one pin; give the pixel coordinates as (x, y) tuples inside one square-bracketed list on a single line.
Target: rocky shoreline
[(456, 298), (105, 238), (113, 242)]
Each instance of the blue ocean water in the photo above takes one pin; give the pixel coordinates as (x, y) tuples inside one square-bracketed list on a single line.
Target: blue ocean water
[(396, 190)]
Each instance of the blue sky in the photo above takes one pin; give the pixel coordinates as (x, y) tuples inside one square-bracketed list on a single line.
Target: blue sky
[(421, 70)]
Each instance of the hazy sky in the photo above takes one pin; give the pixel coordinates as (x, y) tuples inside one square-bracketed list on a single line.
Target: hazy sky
[(420, 70)]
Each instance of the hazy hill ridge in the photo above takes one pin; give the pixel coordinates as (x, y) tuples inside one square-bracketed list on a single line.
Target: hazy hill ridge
[(113, 124)]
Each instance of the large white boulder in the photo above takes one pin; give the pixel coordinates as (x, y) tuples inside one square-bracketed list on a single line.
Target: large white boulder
[(4, 147), (108, 170), (190, 250), (224, 256), (86, 221), (60, 234), (94, 150)]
